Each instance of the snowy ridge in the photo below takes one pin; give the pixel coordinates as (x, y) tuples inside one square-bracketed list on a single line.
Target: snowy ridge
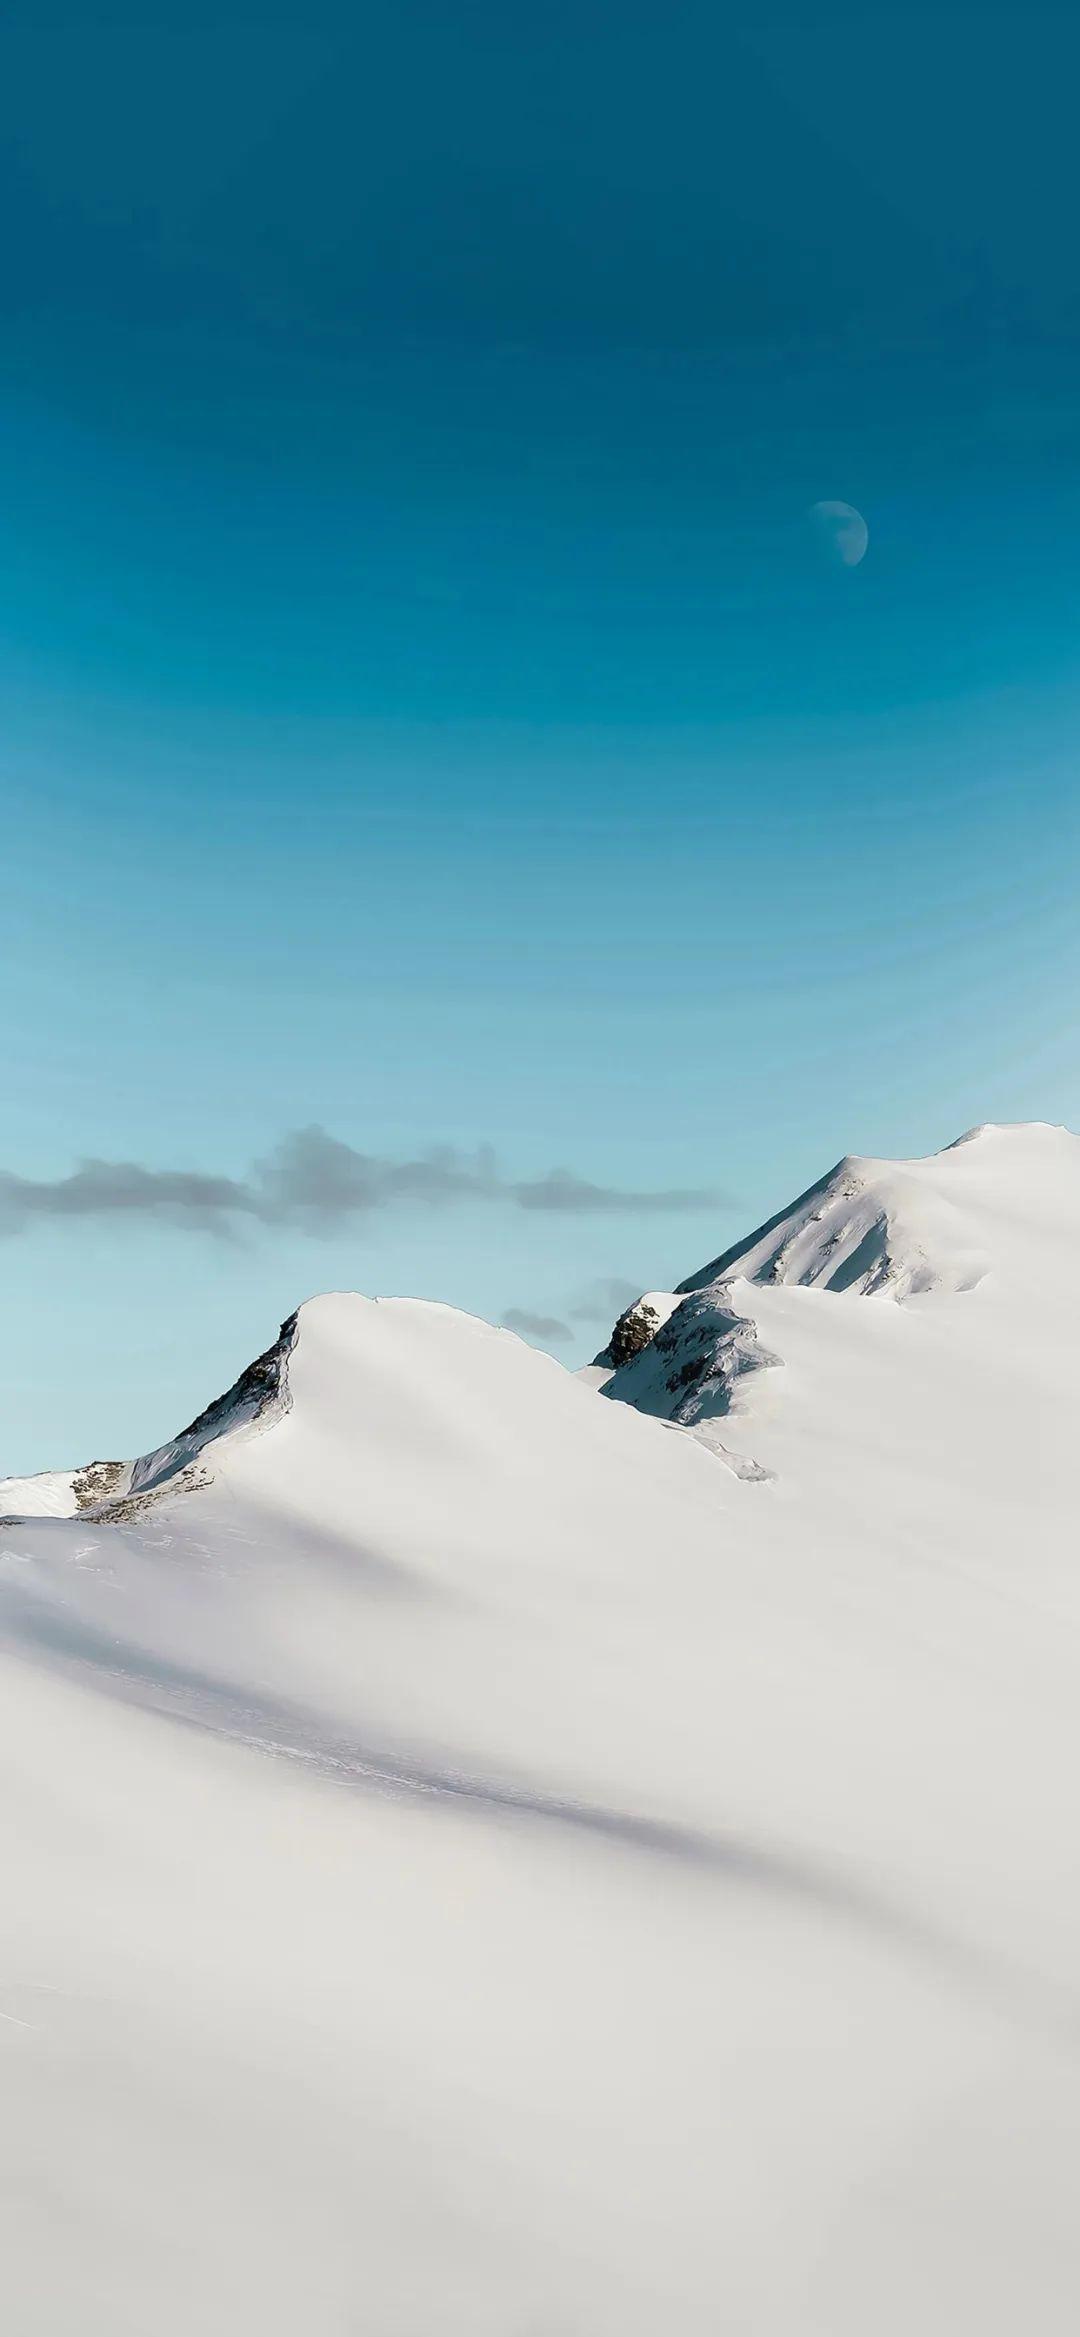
[(868, 1226), (903, 1230), (904, 1227), (112, 1488), (260, 1395), (473, 1809)]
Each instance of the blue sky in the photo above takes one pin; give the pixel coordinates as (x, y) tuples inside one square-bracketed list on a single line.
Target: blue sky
[(428, 712)]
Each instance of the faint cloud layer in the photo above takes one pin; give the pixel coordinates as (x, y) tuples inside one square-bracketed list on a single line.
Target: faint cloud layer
[(530, 1326), (561, 1190), (603, 1301), (314, 1180)]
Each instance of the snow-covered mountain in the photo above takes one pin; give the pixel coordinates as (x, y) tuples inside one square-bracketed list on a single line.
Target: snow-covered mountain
[(901, 1230), (126, 1488), (479, 1857)]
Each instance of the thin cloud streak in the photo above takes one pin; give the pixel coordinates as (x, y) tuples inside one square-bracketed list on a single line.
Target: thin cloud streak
[(312, 1180), (604, 1300), (561, 1190), (530, 1326)]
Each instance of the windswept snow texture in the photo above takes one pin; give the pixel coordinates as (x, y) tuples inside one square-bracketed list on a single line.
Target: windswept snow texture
[(473, 1863), (899, 1229), (871, 1225)]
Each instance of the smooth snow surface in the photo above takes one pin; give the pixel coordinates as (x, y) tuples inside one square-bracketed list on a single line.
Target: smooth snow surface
[(474, 1863), (50, 1494)]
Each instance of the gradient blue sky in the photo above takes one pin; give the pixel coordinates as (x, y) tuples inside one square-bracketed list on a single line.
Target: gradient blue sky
[(427, 711)]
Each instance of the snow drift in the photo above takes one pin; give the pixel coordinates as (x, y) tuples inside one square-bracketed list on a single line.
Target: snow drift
[(477, 1861)]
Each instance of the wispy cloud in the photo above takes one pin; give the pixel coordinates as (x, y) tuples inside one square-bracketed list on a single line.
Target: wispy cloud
[(311, 1179), (560, 1189), (315, 1177), (530, 1326), (604, 1300), (121, 1189)]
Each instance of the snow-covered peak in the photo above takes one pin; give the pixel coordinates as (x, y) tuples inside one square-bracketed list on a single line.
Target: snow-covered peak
[(867, 1226), (429, 1789), (902, 1226), (1020, 1135), (347, 1371), (1001, 1200)]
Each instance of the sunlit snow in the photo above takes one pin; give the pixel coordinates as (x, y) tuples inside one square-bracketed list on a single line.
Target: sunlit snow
[(478, 1859)]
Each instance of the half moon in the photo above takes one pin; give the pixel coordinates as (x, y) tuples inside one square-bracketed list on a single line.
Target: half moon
[(842, 532)]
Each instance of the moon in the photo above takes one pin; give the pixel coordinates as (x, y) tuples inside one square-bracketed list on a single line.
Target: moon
[(841, 531)]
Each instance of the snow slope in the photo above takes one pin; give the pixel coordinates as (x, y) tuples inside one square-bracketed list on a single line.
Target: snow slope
[(899, 1230), (477, 1863), (870, 1225)]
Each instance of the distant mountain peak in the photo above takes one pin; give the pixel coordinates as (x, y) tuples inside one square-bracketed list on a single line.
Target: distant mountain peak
[(866, 1226), (902, 1230), (1001, 1198)]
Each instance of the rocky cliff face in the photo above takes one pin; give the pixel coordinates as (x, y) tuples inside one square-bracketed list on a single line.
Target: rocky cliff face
[(636, 1326)]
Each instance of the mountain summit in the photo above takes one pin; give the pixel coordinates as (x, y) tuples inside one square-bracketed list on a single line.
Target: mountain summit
[(902, 1230), (442, 1805)]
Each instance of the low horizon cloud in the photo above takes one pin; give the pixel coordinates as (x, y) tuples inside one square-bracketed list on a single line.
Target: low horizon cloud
[(603, 1302), (530, 1326), (315, 1181)]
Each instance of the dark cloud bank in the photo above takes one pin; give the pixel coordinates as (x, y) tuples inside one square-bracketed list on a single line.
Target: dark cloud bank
[(313, 1180)]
